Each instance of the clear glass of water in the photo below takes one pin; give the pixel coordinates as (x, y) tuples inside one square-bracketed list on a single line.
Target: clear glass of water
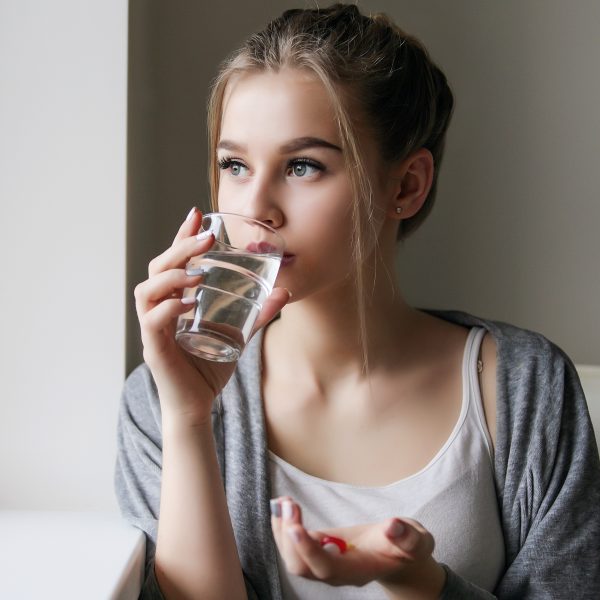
[(238, 274)]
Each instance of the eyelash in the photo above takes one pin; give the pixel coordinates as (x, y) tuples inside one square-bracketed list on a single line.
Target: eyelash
[(226, 162), (309, 162)]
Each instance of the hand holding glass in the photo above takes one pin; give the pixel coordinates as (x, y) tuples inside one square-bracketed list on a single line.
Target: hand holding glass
[(238, 274)]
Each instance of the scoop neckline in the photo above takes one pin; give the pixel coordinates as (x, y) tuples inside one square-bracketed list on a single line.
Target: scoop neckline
[(472, 334)]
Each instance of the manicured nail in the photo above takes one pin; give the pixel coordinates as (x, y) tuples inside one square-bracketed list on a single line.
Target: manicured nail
[(203, 235), (287, 509), (191, 213), (294, 535), (195, 272), (275, 508), (188, 300), (396, 529)]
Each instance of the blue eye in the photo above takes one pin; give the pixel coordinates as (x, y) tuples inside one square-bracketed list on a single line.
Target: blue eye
[(235, 167), (302, 167)]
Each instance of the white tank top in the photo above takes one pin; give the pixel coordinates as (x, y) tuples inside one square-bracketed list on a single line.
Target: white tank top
[(453, 497)]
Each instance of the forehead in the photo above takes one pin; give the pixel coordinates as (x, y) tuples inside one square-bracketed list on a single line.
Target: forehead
[(277, 106)]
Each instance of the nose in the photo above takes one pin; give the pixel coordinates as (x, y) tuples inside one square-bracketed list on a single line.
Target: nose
[(263, 202)]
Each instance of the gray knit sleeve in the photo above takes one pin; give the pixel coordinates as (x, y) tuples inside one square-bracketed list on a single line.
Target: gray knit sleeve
[(139, 466), (548, 475)]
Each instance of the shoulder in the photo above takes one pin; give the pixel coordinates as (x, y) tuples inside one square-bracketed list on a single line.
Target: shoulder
[(521, 353), (541, 413), (536, 384), (533, 373)]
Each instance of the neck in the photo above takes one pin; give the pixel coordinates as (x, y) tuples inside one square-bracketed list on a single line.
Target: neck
[(326, 328)]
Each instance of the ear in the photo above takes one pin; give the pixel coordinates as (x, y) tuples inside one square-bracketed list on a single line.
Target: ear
[(412, 179)]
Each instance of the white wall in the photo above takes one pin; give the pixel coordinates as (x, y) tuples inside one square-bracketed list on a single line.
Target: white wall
[(63, 68)]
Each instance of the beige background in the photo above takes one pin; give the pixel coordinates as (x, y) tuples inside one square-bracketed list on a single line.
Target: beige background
[(514, 233)]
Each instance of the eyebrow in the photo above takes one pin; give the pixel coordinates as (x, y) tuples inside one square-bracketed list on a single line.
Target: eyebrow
[(295, 145)]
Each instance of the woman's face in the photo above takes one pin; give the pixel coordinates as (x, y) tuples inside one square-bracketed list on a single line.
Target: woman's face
[(281, 163)]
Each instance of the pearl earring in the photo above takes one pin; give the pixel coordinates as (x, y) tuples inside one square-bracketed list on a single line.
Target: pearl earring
[(398, 210)]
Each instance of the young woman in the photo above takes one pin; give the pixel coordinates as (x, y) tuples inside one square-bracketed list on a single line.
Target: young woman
[(447, 456)]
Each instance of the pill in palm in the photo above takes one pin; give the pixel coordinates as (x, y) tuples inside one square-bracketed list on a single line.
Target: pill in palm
[(334, 545)]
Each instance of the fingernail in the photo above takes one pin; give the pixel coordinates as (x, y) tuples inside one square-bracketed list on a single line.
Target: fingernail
[(275, 508), (396, 529), (188, 300), (203, 235), (195, 271), (191, 213), (294, 535), (289, 293), (287, 509)]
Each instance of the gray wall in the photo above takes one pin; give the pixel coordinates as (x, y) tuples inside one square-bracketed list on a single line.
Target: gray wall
[(513, 235)]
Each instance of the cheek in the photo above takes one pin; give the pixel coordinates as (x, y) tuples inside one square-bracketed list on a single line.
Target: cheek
[(329, 203), (327, 225), (226, 197), (327, 251)]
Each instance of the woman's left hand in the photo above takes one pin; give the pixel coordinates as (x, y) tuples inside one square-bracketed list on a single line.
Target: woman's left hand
[(396, 552)]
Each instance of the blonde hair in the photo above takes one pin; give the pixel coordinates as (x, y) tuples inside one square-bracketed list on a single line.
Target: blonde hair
[(365, 63)]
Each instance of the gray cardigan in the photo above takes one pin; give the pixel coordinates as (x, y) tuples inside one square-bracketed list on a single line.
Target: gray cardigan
[(547, 471)]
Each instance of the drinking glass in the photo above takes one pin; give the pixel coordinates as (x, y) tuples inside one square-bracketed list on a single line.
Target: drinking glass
[(238, 274)]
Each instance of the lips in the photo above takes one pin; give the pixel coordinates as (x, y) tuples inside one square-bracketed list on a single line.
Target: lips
[(266, 248), (261, 248), (287, 259)]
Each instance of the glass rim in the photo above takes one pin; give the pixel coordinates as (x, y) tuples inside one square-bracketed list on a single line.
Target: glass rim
[(270, 229)]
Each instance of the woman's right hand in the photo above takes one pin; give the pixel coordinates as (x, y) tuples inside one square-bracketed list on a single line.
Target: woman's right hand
[(187, 385)]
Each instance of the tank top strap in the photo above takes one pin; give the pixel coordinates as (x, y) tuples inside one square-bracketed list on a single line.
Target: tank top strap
[(471, 362)]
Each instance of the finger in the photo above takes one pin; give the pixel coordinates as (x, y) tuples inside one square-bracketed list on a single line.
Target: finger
[(319, 563), (408, 538), (190, 225), (273, 304), (162, 286), (291, 518), (276, 518), (180, 253), (317, 535), (154, 322), (275, 505)]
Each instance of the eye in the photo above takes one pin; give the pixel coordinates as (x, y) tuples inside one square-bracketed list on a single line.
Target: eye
[(235, 167), (303, 167)]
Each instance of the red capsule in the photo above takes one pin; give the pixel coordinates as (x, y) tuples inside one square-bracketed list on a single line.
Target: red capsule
[(334, 544)]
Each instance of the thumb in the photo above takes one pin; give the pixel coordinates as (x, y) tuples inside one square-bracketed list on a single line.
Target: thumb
[(408, 539)]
